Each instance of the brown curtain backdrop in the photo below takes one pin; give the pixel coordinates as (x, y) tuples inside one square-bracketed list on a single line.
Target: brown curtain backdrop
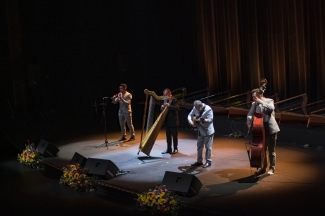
[(242, 41)]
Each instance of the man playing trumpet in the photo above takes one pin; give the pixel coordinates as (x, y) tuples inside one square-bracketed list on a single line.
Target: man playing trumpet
[(125, 112)]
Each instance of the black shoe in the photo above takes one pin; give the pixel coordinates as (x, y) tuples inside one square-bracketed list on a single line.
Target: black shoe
[(175, 151), (166, 152), (207, 164), (131, 138), (260, 172), (122, 139), (197, 164)]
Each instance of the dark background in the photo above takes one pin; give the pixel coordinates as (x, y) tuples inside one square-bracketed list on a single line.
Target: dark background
[(74, 53), (85, 49)]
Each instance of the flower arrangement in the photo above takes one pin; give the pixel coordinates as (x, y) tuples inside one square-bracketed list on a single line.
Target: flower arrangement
[(76, 177), (237, 134), (160, 200), (30, 156)]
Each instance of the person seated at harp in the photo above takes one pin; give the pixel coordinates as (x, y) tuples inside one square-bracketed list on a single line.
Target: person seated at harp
[(202, 116), (123, 98), (171, 122), (265, 106)]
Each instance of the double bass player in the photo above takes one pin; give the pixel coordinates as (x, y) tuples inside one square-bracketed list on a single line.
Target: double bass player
[(265, 106)]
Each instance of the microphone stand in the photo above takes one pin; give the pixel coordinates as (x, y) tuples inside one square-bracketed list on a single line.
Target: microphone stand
[(104, 119)]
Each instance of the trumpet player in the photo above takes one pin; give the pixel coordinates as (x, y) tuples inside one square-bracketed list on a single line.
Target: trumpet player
[(125, 112)]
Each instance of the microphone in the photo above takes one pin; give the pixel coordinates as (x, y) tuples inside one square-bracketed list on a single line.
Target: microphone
[(105, 97)]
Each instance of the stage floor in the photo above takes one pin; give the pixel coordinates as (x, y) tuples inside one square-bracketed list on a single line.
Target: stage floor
[(228, 186)]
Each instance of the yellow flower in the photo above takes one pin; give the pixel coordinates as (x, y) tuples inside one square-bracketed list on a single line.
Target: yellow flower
[(150, 197), (76, 175), (161, 201)]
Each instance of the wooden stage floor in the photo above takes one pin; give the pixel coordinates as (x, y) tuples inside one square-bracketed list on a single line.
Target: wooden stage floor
[(297, 186)]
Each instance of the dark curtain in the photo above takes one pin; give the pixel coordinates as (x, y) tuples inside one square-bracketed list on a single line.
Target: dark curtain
[(242, 41)]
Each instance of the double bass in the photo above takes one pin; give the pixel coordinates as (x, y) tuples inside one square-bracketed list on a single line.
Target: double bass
[(257, 152)]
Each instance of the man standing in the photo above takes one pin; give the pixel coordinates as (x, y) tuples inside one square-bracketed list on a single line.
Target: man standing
[(171, 122), (202, 116), (265, 106), (125, 112)]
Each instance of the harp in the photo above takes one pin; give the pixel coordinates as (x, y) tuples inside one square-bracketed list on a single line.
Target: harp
[(152, 129)]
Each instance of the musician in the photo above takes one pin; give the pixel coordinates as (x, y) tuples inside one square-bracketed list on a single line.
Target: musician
[(125, 112), (265, 106), (171, 122), (202, 116)]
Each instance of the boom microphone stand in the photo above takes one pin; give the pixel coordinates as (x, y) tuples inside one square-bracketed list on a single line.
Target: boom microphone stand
[(104, 119)]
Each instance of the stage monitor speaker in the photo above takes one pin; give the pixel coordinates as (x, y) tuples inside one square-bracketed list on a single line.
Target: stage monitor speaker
[(182, 183), (47, 149), (78, 159), (103, 168)]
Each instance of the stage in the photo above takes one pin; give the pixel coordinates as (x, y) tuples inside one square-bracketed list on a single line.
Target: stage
[(228, 185)]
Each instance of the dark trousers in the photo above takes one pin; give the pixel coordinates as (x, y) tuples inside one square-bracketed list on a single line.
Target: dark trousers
[(269, 148), (171, 132)]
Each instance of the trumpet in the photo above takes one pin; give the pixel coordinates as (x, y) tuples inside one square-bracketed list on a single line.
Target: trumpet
[(114, 96)]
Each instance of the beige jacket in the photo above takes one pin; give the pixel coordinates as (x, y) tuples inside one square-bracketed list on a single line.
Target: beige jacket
[(125, 102)]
